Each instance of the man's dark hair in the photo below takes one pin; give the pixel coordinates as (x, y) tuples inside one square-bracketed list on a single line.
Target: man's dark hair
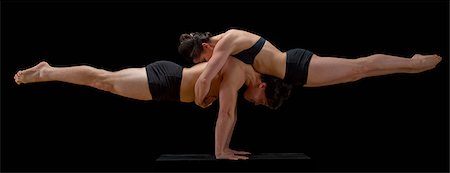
[(277, 91), (191, 44)]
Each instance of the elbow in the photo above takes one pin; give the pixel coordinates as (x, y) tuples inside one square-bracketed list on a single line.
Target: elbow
[(202, 80)]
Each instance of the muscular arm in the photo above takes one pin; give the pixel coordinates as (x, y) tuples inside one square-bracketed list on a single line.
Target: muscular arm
[(221, 53), (232, 129), (231, 82), (225, 120), (229, 138)]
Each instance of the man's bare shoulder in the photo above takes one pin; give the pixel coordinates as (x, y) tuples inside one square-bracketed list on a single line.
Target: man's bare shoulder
[(233, 65)]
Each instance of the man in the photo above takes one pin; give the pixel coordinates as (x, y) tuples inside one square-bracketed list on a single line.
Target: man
[(167, 81)]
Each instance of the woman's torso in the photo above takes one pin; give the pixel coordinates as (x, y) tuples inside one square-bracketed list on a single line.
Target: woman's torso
[(269, 60)]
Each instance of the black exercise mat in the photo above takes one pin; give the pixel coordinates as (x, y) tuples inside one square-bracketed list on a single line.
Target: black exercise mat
[(257, 156)]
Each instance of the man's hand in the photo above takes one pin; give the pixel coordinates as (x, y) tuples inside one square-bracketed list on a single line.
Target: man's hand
[(238, 152), (230, 154)]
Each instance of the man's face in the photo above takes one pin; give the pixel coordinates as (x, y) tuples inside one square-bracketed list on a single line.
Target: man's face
[(256, 94)]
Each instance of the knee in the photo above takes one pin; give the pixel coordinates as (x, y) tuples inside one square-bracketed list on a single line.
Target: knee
[(365, 65), (361, 68), (104, 81), (375, 57)]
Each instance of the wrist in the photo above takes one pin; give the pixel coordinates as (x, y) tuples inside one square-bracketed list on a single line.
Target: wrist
[(220, 151)]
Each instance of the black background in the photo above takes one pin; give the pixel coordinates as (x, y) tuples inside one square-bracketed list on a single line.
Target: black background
[(388, 123)]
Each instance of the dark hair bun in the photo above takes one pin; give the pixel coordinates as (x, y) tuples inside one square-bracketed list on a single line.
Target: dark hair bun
[(184, 37)]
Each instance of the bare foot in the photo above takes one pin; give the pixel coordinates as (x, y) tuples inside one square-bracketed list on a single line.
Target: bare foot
[(33, 74), (425, 62)]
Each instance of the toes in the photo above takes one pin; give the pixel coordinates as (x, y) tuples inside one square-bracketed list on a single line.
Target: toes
[(438, 58), (17, 77)]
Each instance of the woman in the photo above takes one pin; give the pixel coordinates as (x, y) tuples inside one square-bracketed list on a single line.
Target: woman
[(299, 67)]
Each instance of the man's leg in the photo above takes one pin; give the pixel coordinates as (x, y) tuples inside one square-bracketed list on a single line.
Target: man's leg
[(131, 82), (331, 70)]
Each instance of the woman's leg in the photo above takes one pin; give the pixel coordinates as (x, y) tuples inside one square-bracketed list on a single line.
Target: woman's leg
[(330, 70), (131, 82)]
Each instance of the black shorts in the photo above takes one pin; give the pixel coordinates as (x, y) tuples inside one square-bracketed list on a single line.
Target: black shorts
[(164, 80), (297, 63)]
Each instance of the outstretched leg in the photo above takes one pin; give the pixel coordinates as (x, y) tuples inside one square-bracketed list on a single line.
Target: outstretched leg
[(131, 82), (331, 70)]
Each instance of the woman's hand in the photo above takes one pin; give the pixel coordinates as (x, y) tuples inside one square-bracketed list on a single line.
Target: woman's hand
[(209, 100), (201, 91)]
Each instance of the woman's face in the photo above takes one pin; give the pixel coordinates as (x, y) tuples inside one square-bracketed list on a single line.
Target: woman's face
[(206, 54)]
